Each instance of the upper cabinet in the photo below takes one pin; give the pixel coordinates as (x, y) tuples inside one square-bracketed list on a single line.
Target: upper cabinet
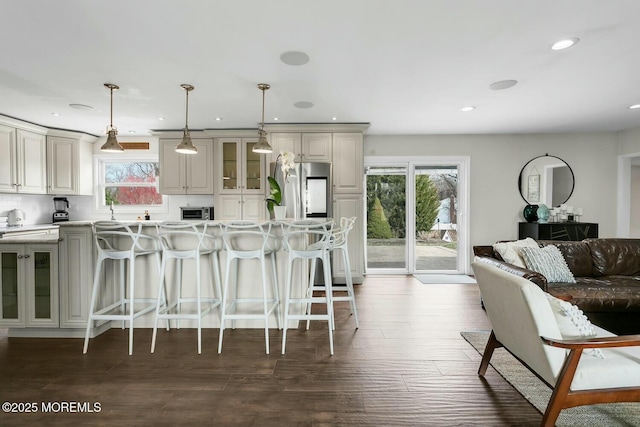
[(307, 147), (239, 169), (23, 161), (70, 164), (348, 162), (186, 173)]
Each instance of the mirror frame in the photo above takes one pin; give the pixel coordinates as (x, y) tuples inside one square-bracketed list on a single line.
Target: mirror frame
[(520, 178)]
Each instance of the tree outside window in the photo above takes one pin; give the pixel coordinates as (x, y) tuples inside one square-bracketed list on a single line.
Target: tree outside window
[(131, 183)]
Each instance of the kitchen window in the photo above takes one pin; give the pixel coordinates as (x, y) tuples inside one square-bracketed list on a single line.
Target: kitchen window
[(130, 183)]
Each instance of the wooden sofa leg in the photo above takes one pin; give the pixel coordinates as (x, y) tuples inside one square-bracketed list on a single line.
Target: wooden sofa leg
[(492, 344)]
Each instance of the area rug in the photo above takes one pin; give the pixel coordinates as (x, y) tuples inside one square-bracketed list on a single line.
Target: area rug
[(438, 279), (536, 392)]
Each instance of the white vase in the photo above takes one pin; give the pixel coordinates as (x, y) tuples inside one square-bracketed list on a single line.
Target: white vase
[(279, 212)]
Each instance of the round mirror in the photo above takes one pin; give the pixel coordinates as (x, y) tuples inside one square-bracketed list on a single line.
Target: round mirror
[(546, 180)]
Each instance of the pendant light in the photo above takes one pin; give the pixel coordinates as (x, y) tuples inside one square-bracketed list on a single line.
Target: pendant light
[(186, 145), (112, 145), (263, 145)]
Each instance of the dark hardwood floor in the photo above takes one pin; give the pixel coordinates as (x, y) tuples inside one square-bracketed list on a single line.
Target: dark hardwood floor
[(406, 365)]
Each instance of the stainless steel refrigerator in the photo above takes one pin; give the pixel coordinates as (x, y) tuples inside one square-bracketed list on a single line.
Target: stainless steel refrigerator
[(307, 192)]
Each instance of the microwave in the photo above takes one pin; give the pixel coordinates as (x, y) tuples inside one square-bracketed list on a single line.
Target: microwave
[(201, 213)]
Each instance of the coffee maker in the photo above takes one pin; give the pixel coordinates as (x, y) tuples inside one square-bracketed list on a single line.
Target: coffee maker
[(61, 204)]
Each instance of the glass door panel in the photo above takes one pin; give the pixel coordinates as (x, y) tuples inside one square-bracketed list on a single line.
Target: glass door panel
[(9, 277), (230, 165), (386, 218), (435, 212), (42, 284), (253, 167)]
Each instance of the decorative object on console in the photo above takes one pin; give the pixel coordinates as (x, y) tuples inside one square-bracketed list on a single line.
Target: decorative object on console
[(543, 213), (530, 213), (111, 145), (186, 145), (262, 146)]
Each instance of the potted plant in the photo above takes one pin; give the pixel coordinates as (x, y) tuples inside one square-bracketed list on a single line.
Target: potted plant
[(287, 163)]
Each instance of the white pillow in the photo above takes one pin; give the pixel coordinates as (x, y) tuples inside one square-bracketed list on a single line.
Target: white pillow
[(573, 323), (549, 262), (510, 251)]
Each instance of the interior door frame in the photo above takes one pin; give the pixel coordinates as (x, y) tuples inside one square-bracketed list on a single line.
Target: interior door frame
[(463, 163)]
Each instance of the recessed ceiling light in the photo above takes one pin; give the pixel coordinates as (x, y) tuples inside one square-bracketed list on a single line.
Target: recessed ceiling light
[(503, 84), (218, 119), (565, 43), (634, 106), (294, 58), (303, 104), (81, 106), (276, 119), (334, 118), (55, 114), (161, 118), (468, 108), (132, 131)]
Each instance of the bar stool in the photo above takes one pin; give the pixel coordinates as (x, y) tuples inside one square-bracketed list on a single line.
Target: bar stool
[(244, 241), (339, 242), (181, 240), (121, 242), (308, 241)]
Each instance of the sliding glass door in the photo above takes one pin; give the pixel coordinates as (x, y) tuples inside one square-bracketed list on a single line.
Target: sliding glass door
[(414, 213)]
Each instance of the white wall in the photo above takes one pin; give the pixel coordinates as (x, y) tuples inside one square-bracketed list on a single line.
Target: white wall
[(496, 160), (634, 223)]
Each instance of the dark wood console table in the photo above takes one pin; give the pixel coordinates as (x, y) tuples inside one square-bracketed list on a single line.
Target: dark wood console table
[(557, 230)]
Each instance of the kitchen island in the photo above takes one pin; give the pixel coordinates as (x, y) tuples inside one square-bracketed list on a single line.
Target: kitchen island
[(74, 271)]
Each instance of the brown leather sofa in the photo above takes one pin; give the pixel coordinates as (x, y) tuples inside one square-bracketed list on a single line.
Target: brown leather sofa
[(607, 273)]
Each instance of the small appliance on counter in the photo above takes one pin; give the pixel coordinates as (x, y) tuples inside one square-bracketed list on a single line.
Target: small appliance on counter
[(16, 218), (201, 213), (61, 204)]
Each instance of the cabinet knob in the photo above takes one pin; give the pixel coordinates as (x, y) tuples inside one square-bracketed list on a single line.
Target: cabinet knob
[(20, 256), (27, 256)]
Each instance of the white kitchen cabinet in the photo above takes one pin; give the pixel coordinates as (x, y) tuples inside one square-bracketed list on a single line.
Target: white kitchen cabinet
[(348, 163), (76, 265), (186, 173), (231, 207), (239, 170), (307, 147), (23, 161), (29, 285), (350, 205), (70, 165)]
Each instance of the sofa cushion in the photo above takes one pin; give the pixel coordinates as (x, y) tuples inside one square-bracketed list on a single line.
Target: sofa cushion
[(577, 256), (615, 256), (573, 323), (510, 251), (549, 262)]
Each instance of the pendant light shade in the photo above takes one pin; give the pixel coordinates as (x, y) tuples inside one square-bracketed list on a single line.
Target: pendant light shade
[(186, 145), (262, 146), (111, 145)]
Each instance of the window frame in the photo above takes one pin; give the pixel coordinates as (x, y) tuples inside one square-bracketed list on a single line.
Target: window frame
[(99, 162)]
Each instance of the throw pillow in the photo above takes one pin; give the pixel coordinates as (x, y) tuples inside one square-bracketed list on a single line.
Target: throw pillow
[(549, 262), (510, 251), (573, 323)]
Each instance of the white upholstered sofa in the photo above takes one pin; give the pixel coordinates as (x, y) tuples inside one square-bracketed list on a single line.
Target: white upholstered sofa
[(580, 368)]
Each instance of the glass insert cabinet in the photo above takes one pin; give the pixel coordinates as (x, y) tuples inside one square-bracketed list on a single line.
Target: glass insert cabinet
[(29, 285), (242, 169)]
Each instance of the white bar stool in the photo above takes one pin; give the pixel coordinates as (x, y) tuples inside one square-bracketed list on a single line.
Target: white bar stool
[(181, 240), (308, 241), (121, 242), (244, 241), (339, 242)]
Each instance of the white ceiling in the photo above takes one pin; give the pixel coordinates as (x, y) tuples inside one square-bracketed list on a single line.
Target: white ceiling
[(405, 66)]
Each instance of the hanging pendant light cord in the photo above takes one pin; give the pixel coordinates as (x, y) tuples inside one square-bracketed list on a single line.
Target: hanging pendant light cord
[(262, 126), (111, 117), (186, 116)]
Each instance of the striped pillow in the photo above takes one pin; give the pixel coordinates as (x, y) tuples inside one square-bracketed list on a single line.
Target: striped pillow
[(549, 262)]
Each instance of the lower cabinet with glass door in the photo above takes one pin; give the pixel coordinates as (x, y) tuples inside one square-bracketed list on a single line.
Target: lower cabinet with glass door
[(29, 284)]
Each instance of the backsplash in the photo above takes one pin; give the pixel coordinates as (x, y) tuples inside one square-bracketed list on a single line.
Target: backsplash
[(38, 209)]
